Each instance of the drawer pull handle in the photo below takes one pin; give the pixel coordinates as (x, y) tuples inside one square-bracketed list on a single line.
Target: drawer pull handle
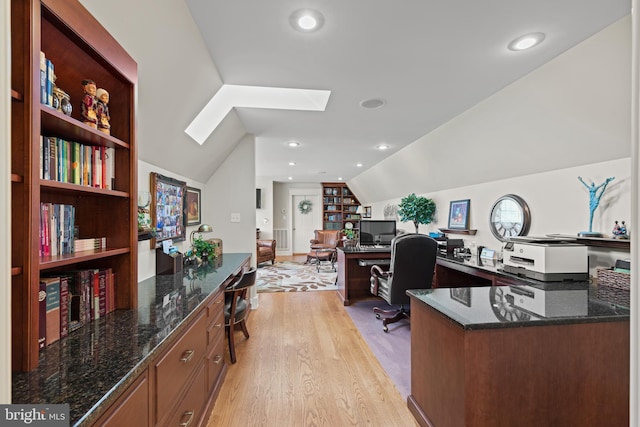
[(219, 325), (187, 356), (218, 302), (217, 359), (188, 421)]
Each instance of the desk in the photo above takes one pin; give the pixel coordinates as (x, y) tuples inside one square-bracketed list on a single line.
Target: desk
[(472, 366), (353, 279)]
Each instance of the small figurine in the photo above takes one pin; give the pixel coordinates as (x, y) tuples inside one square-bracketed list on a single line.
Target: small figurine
[(594, 201), (620, 231), (102, 111), (88, 110)]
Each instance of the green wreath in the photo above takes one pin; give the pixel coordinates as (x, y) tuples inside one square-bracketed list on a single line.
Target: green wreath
[(304, 206)]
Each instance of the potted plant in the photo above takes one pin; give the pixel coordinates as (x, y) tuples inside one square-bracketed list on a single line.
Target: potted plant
[(418, 209), (203, 249), (349, 236)]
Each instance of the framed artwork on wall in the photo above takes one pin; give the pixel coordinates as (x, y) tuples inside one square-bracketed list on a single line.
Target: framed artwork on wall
[(459, 214), (193, 206), (168, 208)]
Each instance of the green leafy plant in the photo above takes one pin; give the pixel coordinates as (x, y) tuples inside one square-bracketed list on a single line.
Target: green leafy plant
[(203, 248), (349, 233), (417, 209)]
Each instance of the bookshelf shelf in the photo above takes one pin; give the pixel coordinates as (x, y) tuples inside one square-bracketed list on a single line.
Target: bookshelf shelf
[(467, 232), (602, 242), (79, 48)]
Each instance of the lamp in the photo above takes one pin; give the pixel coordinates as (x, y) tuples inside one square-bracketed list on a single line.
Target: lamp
[(204, 228)]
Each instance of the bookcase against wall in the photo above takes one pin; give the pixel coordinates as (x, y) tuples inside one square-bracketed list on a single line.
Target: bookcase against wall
[(339, 206), (80, 48)]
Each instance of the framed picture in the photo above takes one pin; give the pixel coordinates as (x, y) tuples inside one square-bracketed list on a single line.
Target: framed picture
[(462, 295), (193, 206), (367, 212), (167, 208), (459, 214)]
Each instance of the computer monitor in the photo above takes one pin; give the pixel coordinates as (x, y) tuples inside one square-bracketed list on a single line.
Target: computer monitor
[(377, 232)]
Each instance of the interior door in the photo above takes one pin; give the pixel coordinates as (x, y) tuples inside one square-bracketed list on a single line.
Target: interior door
[(305, 224)]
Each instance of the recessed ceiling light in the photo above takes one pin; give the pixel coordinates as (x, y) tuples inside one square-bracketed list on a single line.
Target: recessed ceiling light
[(382, 147), (359, 165), (306, 20), (339, 178), (527, 41), (292, 163), (294, 144), (372, 103), (290, 178)]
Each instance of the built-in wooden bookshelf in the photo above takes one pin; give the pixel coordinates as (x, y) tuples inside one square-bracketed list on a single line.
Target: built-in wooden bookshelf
[(80, 48), (339, 206)]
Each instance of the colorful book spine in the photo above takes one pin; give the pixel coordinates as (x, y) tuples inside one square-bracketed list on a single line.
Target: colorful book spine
[(52, 285), (44, 99), (49, 83), (42, 316), (64, 306)]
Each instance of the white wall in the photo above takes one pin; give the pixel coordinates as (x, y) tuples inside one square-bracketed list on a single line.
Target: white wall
[(146, 254), (5, 200), (264, 215), (558, 202), (572, 111)]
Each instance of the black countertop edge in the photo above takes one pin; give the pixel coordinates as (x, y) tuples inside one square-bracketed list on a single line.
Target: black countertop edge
[(91, 367)]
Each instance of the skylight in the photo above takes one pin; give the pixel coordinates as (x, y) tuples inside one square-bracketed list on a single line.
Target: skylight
[(230, 96)]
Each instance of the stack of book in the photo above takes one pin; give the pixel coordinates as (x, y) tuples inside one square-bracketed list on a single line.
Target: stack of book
[(89, 244), (76, 163), (47, 78), (70, 300)]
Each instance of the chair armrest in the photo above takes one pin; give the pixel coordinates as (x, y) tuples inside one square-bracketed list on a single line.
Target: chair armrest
[(376, 271), (314, 241), (266, 243)]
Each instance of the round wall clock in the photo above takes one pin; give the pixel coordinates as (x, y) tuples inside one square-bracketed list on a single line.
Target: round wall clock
[(509, 217)]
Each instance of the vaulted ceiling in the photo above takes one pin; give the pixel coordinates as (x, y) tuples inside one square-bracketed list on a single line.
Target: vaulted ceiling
[(427, 60)]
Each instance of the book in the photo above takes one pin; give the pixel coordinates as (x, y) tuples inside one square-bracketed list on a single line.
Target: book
[(102, 292), (42, 316), (43, 79), (110, 168), (95, 294), (52, 286), (64, 306), (49, 81)]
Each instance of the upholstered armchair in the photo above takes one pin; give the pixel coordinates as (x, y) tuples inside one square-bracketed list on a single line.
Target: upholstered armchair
[(413, 261), (266, 251), (326, 238), (323, 247)]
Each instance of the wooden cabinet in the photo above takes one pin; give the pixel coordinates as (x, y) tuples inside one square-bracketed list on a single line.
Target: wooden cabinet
[(339, 205), (131, 408), (80, 48)]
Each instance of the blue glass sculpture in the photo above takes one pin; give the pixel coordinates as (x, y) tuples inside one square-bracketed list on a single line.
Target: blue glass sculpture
[(595, 194)]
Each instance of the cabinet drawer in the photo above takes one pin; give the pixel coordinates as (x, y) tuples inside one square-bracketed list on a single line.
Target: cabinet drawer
[(132, 408), (189, 410), (175, 368), (215, 329), (215, 361), (214, 307)]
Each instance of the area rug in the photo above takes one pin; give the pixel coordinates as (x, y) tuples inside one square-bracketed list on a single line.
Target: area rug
[(289, 276)]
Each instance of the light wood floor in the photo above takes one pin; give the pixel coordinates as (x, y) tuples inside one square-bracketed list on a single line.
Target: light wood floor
[(306, 364)]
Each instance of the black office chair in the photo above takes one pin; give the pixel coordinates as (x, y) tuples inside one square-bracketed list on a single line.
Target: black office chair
[(413, 260), (236, 308)]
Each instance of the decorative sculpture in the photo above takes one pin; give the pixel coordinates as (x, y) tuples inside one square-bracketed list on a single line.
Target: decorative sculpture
[(594, 201), (88, 107), (102, 111)]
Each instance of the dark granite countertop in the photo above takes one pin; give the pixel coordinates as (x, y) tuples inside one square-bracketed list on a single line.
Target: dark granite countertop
[(534, 304), (90, 367)]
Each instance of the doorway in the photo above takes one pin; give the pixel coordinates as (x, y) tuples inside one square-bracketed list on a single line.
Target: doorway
[(304, 224)]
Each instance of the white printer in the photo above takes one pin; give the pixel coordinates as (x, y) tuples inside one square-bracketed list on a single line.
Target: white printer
[(546, 258), (554, 302)]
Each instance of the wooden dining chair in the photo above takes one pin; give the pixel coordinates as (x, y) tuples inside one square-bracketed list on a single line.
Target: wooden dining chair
[(236, 308)]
